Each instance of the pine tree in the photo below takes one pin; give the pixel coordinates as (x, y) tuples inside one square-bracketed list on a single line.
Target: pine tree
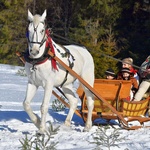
[(97, 20), (13, 22)]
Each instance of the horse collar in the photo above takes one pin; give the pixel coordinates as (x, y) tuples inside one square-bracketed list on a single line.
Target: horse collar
[(36, 61)]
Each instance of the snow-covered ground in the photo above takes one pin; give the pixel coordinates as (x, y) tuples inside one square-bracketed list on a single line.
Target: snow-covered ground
[(15, 123)]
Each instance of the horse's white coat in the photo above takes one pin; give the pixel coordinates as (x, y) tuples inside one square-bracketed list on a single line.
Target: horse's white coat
[(44, 75)]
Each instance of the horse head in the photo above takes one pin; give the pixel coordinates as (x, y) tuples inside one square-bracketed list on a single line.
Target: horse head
[(36, 34)]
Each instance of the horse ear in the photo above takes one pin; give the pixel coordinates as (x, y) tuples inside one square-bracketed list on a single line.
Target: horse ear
[(44, 15), (30, 16)]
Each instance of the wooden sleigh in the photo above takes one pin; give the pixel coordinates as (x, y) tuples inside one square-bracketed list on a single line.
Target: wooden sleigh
[(109, 100), (115, 92)]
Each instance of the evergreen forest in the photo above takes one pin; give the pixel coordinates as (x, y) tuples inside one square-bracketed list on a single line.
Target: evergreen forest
[(115, 28)]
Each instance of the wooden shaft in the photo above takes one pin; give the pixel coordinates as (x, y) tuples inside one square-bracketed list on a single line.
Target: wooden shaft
[(65, 103), (87, 86), (21, 57)]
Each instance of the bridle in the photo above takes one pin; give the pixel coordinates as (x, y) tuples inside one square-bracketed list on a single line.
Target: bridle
[(44, 57), (35, 33)]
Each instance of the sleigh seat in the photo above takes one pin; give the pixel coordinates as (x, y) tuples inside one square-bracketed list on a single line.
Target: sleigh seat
[(136, 111)]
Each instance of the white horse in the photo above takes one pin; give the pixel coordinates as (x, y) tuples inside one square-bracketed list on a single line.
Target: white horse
[(46, 72)]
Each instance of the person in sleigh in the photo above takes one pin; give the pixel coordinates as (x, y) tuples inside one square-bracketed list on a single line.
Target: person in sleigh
[(145, 76), (127, 75)]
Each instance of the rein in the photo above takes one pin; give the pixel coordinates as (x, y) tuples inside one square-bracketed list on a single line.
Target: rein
[(69, 41)]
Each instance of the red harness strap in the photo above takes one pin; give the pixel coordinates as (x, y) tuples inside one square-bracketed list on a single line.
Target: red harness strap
[(49, 44)]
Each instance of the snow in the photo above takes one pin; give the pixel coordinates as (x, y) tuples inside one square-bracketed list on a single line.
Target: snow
[(15, 123)]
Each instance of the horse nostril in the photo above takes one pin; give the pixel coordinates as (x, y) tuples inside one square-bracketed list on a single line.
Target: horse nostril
[(37, 52)]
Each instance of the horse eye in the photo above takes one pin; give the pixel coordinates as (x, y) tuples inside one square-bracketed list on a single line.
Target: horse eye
[(42, 31)]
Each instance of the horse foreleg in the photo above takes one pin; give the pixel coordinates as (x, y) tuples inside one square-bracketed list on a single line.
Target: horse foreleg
[(31, 90), (73, 101), (44, 108)]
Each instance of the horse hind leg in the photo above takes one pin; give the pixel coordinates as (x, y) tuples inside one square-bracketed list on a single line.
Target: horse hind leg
[(90, 105), (89, 76), (31, 90), (73, 101)]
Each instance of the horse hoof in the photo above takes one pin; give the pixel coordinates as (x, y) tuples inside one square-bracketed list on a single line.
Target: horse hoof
[(86, 129), (40, 133), (67, 123)]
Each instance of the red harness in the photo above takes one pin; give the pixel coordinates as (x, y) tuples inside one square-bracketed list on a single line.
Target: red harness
[(49, 44)]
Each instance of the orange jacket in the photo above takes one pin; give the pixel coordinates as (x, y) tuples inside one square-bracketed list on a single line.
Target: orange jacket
[(133, 81)]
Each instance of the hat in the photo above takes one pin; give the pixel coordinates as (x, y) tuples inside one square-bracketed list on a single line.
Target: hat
[(128, 61), (110, 72), (126, 70)]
